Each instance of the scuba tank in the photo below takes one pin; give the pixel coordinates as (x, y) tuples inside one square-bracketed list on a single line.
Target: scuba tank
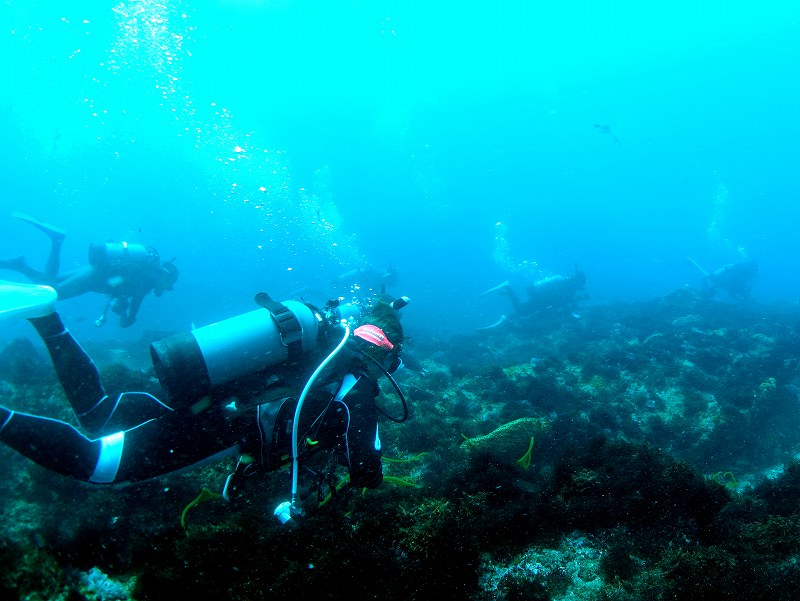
[(196, 362), (120, 253)]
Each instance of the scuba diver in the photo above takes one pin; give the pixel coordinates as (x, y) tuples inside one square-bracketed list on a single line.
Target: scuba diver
[(606, 129), (365, 281), (734, 278), (553, 294), (286, 381), (125, 273)]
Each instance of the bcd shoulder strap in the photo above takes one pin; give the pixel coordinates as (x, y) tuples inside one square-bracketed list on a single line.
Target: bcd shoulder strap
[(288, 325)]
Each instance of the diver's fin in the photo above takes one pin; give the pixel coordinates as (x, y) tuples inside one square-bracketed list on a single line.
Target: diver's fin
[(695, 263), (50, 230), (26, 300), (498, 323), (498, 288)]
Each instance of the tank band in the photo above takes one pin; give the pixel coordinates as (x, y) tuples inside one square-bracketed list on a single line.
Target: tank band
[(287, 323)]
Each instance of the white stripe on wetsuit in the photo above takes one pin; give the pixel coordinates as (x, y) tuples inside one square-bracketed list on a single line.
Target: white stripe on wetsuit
[(110, 456)]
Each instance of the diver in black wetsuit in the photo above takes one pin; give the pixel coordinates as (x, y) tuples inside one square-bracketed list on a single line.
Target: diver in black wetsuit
[(224, 397)]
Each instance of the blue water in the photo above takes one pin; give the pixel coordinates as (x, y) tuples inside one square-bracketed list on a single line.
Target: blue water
[(274, 145)]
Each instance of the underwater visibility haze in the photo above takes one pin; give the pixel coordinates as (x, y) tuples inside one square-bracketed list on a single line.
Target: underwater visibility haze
[(639, 440)]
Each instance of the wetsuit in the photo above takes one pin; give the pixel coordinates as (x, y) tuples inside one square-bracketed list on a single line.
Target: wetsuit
[(135, 436)]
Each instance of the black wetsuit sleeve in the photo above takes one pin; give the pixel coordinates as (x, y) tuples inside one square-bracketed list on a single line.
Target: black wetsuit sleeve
[(366, 469)]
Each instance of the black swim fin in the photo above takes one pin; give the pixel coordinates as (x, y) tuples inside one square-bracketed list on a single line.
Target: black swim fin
[(51, 230)]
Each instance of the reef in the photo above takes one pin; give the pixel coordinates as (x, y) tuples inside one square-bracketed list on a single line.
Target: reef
[(643, 451)]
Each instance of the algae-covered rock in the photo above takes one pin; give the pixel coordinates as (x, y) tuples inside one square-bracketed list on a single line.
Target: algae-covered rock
[(509, 442)]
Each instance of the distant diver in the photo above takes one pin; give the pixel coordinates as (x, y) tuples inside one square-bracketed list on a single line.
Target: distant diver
[(734, 278), (605, 129), (125, 273), (553, 295)]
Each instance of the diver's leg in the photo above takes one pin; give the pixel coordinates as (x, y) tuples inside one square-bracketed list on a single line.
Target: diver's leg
[(54, 257), (143, 452), (76, 370), (97, 412), (177, 442), (515, 302), (20, 265), (52, 444), (56, 236), (77, 282), (127, 410)]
